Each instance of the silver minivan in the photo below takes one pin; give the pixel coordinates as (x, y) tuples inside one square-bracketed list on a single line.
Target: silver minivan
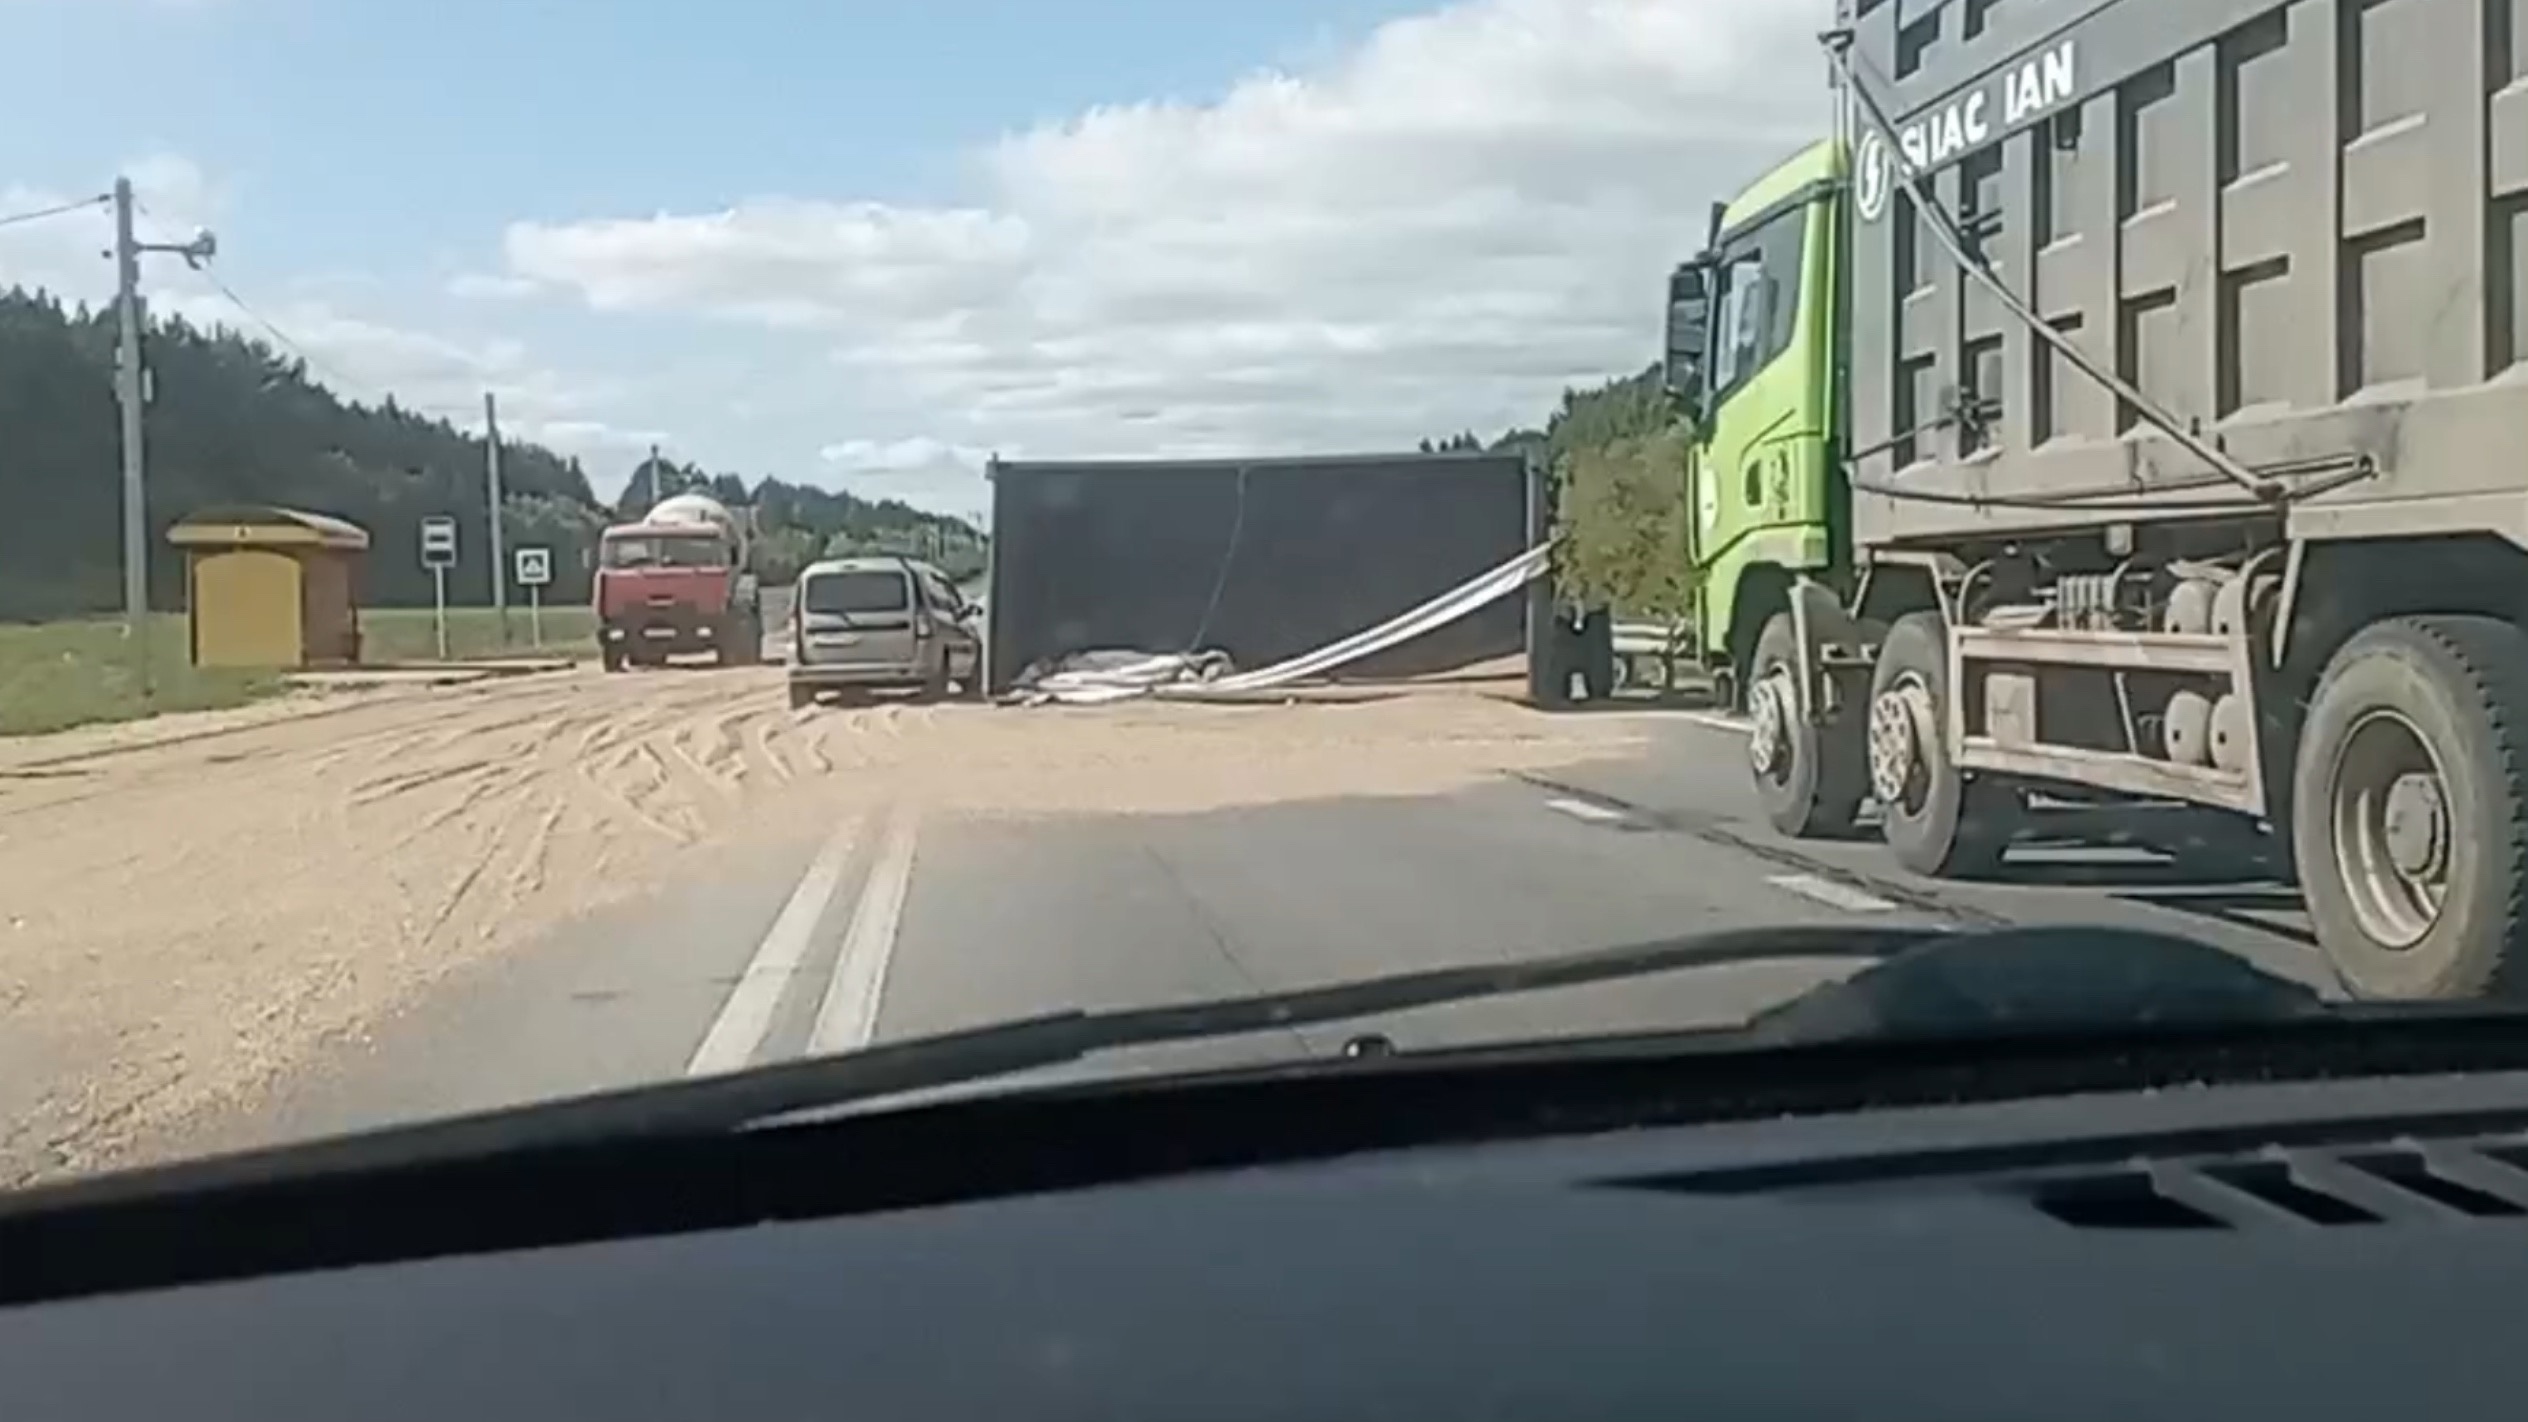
[(880, 623)]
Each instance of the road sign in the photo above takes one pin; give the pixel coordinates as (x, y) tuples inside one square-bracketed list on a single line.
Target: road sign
[(535, 569), (438, 542), (438, 554)]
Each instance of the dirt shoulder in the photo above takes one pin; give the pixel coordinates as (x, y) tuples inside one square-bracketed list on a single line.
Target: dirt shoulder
[(185, 923)]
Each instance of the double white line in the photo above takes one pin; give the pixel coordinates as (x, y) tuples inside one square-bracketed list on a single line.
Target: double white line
[(847, 1015)]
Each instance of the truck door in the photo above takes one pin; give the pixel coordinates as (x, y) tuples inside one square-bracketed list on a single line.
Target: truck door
[(1760, 475)]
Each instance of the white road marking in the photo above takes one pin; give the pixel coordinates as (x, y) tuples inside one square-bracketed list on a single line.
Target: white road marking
[(1833, 895), (1583, 810), (848, 1017), (1717, 720), (747, 1014)]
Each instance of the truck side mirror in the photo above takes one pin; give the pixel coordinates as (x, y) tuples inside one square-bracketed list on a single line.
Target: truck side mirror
[(1689, 332)]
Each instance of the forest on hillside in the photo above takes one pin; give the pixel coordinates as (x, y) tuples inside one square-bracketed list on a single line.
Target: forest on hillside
[(231, 420)]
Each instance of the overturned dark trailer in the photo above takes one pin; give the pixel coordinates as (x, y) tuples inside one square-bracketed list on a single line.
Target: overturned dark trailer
[(1262, 559)]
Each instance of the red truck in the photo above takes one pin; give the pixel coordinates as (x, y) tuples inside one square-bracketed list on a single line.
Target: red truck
[(678, 583)]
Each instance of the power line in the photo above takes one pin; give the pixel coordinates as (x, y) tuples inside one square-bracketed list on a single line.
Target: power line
[(41, 213), (344, 386), (279, 336)]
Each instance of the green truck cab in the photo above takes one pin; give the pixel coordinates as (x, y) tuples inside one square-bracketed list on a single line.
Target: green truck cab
[(1756, 356), (1753, 353)]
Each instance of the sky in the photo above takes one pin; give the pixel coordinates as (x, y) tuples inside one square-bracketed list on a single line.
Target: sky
[(867, 245)]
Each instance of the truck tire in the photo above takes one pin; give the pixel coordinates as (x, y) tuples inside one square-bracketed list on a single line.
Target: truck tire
[(2409, 809), (802, 696), (1597, 653), (611, 656), (1810, 777), (1548, 663), (1940, 824), (731, 647)]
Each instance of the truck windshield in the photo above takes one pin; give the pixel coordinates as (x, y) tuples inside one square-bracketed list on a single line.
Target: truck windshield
[(847, 593), (655, 551)]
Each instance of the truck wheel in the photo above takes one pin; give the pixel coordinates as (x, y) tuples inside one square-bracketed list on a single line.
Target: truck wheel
[(612, 657), (801, 696), (1597, 653), (1549, 664), (1940, 824), (2409, 809), (1809, 776)]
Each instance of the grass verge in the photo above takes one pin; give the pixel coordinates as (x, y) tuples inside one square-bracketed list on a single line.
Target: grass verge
[(56, 675), (410, 634)]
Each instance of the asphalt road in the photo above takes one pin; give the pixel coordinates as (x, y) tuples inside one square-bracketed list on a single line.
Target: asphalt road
[(896, 924)]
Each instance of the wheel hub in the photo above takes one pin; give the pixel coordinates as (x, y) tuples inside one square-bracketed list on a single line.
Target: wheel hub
[(2392, 829), (1900, 726), (2417, 828), (1769, 725)]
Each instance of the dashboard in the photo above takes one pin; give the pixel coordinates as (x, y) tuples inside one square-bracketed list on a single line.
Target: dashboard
[(2297, 1250)]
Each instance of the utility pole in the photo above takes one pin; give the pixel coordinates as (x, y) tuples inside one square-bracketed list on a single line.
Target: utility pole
[(491, 479), (131, 393), (127, 391)]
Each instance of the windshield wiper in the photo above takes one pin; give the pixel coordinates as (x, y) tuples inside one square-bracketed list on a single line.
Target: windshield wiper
[(1928, 982)]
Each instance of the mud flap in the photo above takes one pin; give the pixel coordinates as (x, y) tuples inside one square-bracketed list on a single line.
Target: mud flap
[(1822, 622)]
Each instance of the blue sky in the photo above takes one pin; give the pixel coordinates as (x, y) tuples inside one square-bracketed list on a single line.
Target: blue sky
[(332, 109), (863, 243)]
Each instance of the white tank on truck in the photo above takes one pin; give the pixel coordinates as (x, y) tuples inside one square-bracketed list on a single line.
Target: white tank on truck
[(699, 509)]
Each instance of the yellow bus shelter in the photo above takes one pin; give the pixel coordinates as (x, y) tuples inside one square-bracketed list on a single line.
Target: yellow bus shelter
[(271, 587)]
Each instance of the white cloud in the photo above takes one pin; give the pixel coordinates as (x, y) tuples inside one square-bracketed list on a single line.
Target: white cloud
[(1436, 230), (867, 456), (918, 469), (483, 286)]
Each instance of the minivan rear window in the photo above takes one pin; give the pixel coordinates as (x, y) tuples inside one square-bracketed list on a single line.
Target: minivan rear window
[(847, 593)]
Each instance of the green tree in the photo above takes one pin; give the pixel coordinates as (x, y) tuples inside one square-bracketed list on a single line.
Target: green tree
[(1618, 456), (1620, 527), (783, 552)]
